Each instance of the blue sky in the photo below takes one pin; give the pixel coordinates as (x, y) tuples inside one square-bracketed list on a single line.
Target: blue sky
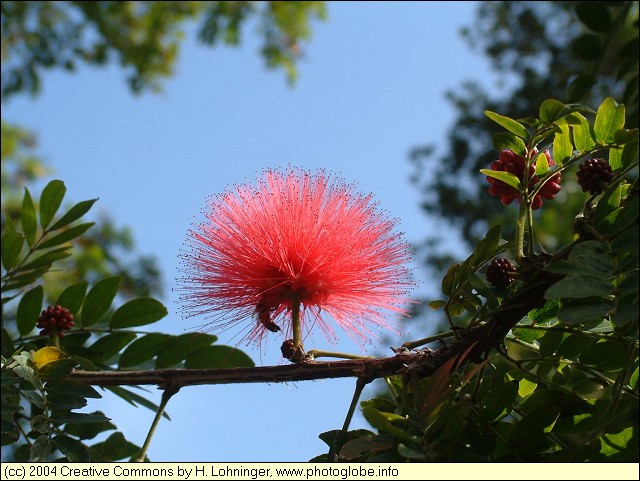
[(371, 87)]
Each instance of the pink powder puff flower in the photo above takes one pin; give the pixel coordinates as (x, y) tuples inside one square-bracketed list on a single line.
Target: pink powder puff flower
[(509, 161), (296, 238)]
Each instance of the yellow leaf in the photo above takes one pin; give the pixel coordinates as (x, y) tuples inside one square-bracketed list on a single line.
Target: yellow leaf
[(46, 355)]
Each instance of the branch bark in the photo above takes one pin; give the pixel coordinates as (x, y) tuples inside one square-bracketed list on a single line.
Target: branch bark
[(422, 363)]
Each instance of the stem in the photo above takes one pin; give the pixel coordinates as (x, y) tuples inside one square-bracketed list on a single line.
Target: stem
[(295, 322), (530, 239), (520, 231), (339, 439), (427, 340), (55, 338), (166, 395), (315, 353)]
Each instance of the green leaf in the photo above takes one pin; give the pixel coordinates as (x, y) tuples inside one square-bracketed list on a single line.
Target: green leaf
[(624, 136), (499, 402), (579, 287), (88, 431), (583, 135), (29, 310), (48, 258), (576, 312), (138, 312), (551, 110), (569, 403), (77, 211), (28, 218), (612, 444), (486, 247), (72, 297), (629, 155), (72, 387), (609, 119), (11, 247), (108, 346), (40, 424), (437, 304), (595, 15), (58, 369), (542, 164), (385, 422), (580, 86), (606, 356), (66, 236), (9, 224), (143, 349), (39, 452), (609, 202), (58, 402), (550, 342), (509, 141), (588, 47), (50, 201), (368, 445), (64, 417), (449, 281), (509, 124), (181, 347), (615, 158), (562, 146), (573, 344), (99, 299), (530, 431), (116, 447), (506, 177), (135, 399), (75, 451), (217, 357), (34, 398)]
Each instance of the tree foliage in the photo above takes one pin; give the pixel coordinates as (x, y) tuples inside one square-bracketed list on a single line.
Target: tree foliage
[(143, 37), (539, 360), (541, 50)]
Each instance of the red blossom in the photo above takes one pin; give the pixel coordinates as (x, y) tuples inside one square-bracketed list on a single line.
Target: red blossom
[(294, 237), (515, 164), (55, 318)]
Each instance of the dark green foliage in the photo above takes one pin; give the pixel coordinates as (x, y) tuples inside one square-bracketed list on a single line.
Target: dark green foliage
[(143, 37), (38, 399), (561, 385)]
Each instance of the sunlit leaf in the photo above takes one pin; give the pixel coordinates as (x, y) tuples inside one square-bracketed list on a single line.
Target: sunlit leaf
[(562, 146), (542, 164), (609, 119), (506, 177), (509, 141), (551, 110), (509, 124)]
